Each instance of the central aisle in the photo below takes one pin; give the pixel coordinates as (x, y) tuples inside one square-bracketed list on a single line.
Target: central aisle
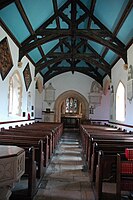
[(65, 178)]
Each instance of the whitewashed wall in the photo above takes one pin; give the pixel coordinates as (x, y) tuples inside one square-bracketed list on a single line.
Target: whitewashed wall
[(64, 82), (79, 83), (120, 74), (39, 97), (4, 84)]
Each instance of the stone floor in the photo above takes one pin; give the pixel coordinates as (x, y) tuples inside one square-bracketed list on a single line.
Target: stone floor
[(65, 177)]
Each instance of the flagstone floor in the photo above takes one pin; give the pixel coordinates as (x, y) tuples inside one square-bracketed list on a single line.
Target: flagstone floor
[(65, 177)]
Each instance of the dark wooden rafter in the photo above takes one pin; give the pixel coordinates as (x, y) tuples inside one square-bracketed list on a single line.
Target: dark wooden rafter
[(41, 31), (65, 18), (4, 3), (98, 23), (55, 6), (28, 24), (101, 59), (120, 23), (62, 69), (47, 22), (100, 36), (75, 51), (73, 31), (90, 55), (57, 57), (51, 51), (94, 54), (3, 25), (93, 2), (86, 70), (113, 39), (67, 44)]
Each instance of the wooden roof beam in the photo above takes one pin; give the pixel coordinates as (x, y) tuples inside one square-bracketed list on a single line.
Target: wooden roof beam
[(55, 6), (48, 21), (60, 57), (28, 24), (97, 21), (4, 3), (98, 36), (67, 69), (93, 2), (120, 23)]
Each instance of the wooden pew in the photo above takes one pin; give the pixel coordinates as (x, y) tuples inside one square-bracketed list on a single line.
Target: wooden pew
[(86, 133), (27, 142), (106, 139), (124, 180), (113, 147), (106, 169), (39, 131), (31, 137), (103, 173), (31, 133), (55, 129)]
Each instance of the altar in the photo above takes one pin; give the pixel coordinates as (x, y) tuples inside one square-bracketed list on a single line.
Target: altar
[(71, 121), (12, 167)]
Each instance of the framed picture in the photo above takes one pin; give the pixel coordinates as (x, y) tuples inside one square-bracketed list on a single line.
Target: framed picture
[(27, 76), (6, 62)]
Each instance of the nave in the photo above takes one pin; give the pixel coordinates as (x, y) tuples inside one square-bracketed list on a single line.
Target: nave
[(66, 178)]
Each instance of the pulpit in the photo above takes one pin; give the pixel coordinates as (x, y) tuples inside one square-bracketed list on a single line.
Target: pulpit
[(12, 167)]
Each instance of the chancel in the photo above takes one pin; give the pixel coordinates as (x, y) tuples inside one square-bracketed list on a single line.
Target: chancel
[(66, 106)]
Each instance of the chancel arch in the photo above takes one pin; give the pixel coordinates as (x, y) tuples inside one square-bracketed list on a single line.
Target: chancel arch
[(60, 105)]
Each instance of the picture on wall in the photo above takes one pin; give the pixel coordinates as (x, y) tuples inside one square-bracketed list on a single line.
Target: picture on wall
[(6, 62), (27, 76)]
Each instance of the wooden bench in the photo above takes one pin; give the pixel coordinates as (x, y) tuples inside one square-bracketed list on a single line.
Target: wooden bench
[(113, 147), (87, 133), (35, 133), (124, 180), (105, 170), (25, 143), (106, 139), (55, 129)]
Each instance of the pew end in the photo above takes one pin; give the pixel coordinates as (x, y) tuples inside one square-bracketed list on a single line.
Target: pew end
[(124, 181)]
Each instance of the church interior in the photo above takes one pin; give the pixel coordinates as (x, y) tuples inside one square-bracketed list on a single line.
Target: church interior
[(66, 106)]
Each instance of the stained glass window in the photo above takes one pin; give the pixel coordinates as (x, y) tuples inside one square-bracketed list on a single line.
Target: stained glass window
[(71, 105)]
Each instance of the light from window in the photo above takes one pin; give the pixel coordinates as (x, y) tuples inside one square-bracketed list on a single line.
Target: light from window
[(120, 102), (71, 105)]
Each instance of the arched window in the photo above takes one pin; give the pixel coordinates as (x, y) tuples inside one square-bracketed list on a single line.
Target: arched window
[(71, 105), (120, 102), (15, 94)]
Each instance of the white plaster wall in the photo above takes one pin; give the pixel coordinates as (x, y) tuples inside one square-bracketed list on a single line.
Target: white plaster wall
[(39, 102), (82, 84), (102, 111), (4, 84), (120, 74)]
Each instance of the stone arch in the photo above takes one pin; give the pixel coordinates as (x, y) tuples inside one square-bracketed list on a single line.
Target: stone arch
[(75, 94)]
